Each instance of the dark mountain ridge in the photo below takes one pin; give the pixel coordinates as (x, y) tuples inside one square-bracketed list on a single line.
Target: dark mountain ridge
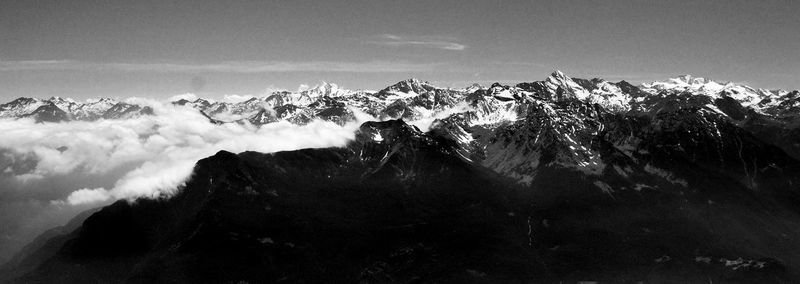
[(399, 205)]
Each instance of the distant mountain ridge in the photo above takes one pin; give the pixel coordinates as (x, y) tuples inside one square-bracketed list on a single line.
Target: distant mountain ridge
[(419, 97), (775, 114)]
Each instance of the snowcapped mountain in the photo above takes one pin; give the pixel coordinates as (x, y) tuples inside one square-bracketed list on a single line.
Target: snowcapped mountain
[(20, 107), (325, 90), (745, 95), (92, 109), (773, 114), (414, 99), (57, 109), (48, 112), (560, 179)]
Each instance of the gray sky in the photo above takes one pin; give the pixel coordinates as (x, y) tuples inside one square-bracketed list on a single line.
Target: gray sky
[(161, 48)]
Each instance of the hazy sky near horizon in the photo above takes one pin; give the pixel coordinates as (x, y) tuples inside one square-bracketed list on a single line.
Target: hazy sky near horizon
[(160, 48)]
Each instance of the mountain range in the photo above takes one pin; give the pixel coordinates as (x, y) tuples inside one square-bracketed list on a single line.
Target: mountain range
[(772, 114), (565, 179)]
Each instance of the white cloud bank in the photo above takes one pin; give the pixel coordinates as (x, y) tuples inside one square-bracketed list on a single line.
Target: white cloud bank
[(161, 149)]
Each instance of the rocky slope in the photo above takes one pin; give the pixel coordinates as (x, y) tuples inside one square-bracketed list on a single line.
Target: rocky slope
[(399, 205)]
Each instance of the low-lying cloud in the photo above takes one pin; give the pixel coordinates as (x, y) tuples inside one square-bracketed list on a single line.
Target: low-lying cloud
[(54, 169), (165, 147)]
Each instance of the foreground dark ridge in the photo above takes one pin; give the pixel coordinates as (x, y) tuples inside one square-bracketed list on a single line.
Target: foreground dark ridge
[(555, 196)]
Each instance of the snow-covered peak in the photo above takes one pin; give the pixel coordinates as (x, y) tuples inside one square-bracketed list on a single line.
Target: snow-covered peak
[(101, 100), (610, 96), (186, 97), (57, 99), (414, 99), (20, 106), (410, 86), (413, 81), (326, 89), (501, 92), (691, 80), (685, 83), (745, 95), (564, 87), (66, 104), (559, 75), (473, 88)]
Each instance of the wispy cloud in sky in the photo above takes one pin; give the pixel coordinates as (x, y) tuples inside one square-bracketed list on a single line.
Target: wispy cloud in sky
[(222, 67), (438, 42)]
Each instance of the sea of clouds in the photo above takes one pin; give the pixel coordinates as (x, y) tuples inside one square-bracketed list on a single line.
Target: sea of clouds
[(49, 172)]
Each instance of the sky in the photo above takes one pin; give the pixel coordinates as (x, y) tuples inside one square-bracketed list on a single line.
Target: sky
[(157, 49)]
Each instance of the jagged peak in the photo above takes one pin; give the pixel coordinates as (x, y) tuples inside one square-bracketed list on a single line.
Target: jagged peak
[(559, 78), (57, 98), (624, 83), (414, 82), (101, 100), (474, 87), (569, 88), (325, 89), (689, 79), (201, 100), (497, 85), (24, 100), (49, 104), (558, 74), (410, 85), (325, 86), (700, 84)]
